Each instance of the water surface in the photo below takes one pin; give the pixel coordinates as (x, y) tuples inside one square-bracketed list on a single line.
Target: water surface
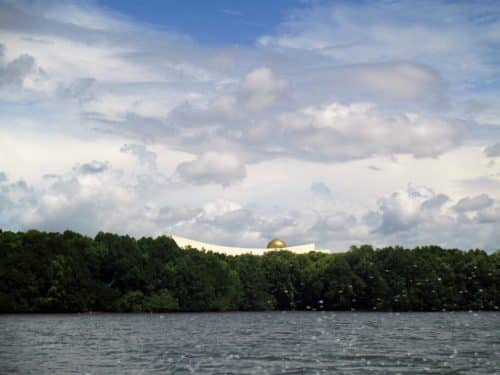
[(251, 343)]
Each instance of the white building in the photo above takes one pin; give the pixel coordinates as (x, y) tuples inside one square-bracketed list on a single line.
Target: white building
[(273, 245)]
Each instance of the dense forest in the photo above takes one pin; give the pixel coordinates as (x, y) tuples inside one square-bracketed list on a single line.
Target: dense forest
[(68, 272)]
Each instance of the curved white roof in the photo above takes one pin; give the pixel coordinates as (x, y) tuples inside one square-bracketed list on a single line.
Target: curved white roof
[(183, 242)]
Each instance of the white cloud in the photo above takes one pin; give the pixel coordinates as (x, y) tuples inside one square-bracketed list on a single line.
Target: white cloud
[(489, 215), (15, 71), (402, 209), (260, 89), (342, 98), (146, 157), (321, 190), (352, 33), (358, 130), (493, 150), (93, 167), (336, 221), (212, 168), (474, 203)]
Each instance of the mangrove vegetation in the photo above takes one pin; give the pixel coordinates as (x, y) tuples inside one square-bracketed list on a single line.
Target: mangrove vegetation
[(69, 272)]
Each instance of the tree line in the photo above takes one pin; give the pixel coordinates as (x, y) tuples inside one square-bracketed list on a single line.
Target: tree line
[(69, 272)]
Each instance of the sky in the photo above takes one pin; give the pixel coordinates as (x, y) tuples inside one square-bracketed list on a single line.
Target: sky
[(340, 123)]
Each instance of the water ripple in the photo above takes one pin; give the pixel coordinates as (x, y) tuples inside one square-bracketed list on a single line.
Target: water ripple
[(251, 343)]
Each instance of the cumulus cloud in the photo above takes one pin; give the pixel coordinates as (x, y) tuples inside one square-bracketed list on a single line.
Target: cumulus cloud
[(489, 215), (109, 200), (260, 89), (93, 167), (392, 84), (235, 220), (402, 209), (90, 197), (473, 203), (175, 215), (351, 34), (359, 130), (417, 215), (334, 222), (181, 100), (212, 168), (15, 198), (14, 71), (493, 150), (398, 81), (333, 132), (333, 84), (321, 190), (435, 202), (143, 155), (482, 184), (87, 198), (79, 89)]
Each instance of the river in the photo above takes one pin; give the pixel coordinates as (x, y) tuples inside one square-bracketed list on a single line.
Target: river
[(251, 343)]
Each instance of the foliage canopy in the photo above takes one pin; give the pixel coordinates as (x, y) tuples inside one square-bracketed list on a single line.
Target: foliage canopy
[(69, 272)]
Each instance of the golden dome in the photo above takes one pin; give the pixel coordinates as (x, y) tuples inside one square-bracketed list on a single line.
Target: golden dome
[(276, 243)]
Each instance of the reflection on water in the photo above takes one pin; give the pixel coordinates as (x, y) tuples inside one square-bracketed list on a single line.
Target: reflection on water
[(274, 342)]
